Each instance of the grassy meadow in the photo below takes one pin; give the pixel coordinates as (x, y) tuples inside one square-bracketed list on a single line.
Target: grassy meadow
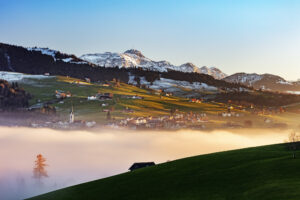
[(152, 104), (265, 173)]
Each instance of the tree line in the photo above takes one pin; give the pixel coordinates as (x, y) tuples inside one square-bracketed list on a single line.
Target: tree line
[(12, 96), (259, 98)]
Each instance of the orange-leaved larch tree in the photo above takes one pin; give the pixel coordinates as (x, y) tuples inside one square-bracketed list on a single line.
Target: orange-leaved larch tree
[(39, 170)]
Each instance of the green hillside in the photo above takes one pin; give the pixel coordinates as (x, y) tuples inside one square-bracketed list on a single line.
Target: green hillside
[(267, 172), (152, 104)]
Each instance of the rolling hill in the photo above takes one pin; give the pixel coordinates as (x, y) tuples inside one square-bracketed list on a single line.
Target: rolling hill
[(264, 81), (267, 172)]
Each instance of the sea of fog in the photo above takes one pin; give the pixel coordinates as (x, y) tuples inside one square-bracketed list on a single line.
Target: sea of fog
[(79, 156)]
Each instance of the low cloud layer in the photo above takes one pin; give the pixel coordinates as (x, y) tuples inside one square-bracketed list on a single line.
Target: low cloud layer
[(79, 156)]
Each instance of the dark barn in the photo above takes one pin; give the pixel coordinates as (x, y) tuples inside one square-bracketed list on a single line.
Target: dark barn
[(141, 165)]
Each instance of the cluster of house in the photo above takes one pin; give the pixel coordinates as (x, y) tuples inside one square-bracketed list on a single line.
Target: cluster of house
[(78, 124), (128, 110), (101, 96), (71, 124), (79, 82), (132, 97), (230, 114), (176, 121), (196, 100), (268, 111), (109, 96), (61, 94)]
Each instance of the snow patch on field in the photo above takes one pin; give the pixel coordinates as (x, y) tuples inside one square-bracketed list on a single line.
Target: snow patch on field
[(14, 76), (170, 85), (293, 92), (284, 82), (165, 83)]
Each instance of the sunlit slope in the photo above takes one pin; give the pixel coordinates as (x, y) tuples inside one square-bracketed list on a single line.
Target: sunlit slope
[(152, 104), (267, 172)]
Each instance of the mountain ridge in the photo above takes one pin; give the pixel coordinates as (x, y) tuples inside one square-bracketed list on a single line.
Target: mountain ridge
[(46, 61), (133, 58), (36, 60)]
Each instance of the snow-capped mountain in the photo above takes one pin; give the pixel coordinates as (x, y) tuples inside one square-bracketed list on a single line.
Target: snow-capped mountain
[(129, 59), (134, 58), (189, 67), (213, 71), (263, 81)]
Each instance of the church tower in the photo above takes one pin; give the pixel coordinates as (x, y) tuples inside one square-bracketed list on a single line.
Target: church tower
[(72, 117)]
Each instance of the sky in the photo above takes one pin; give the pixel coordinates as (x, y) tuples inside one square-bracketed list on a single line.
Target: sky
[(235, 36)]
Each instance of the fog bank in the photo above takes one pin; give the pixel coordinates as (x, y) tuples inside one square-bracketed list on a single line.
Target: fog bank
[(79, 156)]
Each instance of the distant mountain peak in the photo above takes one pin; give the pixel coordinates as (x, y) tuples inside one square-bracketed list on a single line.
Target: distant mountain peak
[(213, 71), (189, 67), (189, 64), (134, 58), (135, 52)]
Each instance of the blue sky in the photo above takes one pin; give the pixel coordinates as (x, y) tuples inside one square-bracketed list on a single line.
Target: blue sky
[(235, 36)]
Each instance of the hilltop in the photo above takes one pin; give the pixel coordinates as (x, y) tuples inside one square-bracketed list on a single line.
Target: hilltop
[(267, 172), (268, 82)]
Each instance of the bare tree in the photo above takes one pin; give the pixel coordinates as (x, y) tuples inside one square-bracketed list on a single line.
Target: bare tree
[(293, 142), (39, 170)]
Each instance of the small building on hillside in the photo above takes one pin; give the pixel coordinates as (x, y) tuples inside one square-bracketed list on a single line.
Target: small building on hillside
[(196, 100), (91, 98), (88, 80), (141, 165), (61, 94), (105, 96)]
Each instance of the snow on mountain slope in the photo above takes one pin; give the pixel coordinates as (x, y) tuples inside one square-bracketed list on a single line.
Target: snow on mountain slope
[(45, 51), (189, 67), (247, 79), (56, 55), (263, 81), (213, 71), (128, 59), (134, 58)]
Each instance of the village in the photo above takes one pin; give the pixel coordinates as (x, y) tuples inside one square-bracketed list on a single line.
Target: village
[(232, 115), (196, 121)]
